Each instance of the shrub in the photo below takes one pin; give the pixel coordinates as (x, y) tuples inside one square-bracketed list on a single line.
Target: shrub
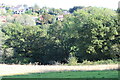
[(72, 61), (85, 62), (109, 61)]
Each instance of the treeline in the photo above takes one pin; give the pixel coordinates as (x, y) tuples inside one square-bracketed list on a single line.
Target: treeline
[(88, 33)]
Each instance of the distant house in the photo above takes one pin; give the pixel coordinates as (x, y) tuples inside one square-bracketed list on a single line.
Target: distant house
[(66, 12), (60, 17), (2, 10), (15, 15), (34, 18), (2, 5), (39, 19), (3, 19), (19, 9)]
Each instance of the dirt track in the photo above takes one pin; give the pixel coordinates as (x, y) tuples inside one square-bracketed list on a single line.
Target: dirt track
[(24, 69)]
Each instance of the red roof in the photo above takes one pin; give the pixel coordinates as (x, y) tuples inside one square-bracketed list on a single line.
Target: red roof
[(15, 15), (3, 18)]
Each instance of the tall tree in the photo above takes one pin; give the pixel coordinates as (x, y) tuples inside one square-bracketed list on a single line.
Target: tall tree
[(96, 33)]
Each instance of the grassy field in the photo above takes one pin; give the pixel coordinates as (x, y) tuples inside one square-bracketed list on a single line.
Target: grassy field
[(71, 74)]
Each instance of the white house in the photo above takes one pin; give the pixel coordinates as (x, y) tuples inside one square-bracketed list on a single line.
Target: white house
[(2, 10), (19, 9), (60, 17)]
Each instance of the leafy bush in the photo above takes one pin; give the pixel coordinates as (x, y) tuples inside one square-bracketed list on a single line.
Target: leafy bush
[(85, 62), (109, 61), (72, 61)]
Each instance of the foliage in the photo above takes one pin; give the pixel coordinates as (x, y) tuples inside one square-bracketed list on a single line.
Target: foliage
[(71, 10), (96, 33), (54, 11), (88, 33), (2, 38), (109, 61), (21, 19), (25, 20), (2, 12), (47, 19), (72, 61), (36, 7), (31, 44), (118, 11), (23, 39)]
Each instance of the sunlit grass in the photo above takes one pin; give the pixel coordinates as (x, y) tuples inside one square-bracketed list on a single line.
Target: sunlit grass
[(71, 74)]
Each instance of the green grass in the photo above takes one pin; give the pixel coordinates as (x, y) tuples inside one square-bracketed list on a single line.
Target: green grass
[(71, 74)]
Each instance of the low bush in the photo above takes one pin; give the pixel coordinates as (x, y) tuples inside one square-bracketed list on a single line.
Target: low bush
[(109, 61), (72, 61)]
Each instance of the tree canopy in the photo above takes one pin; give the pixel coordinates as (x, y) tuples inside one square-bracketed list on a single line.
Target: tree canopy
[(89, 33)]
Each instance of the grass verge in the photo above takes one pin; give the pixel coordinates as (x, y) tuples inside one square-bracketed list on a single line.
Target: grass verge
[(71, 74)]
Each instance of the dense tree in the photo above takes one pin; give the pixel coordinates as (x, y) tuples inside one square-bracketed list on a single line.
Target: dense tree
[(36, 7), (29, 12), (21, 19), (33, 44), (25, 41), (46, 19), (54, 11), (118, 11), (96, 33), (1, 42), (60, 46), (71, 10), (2, 11), (88, 33)]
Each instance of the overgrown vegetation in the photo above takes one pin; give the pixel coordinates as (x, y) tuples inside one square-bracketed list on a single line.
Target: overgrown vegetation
[(72, 61), (89, 33), (109, 61)]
